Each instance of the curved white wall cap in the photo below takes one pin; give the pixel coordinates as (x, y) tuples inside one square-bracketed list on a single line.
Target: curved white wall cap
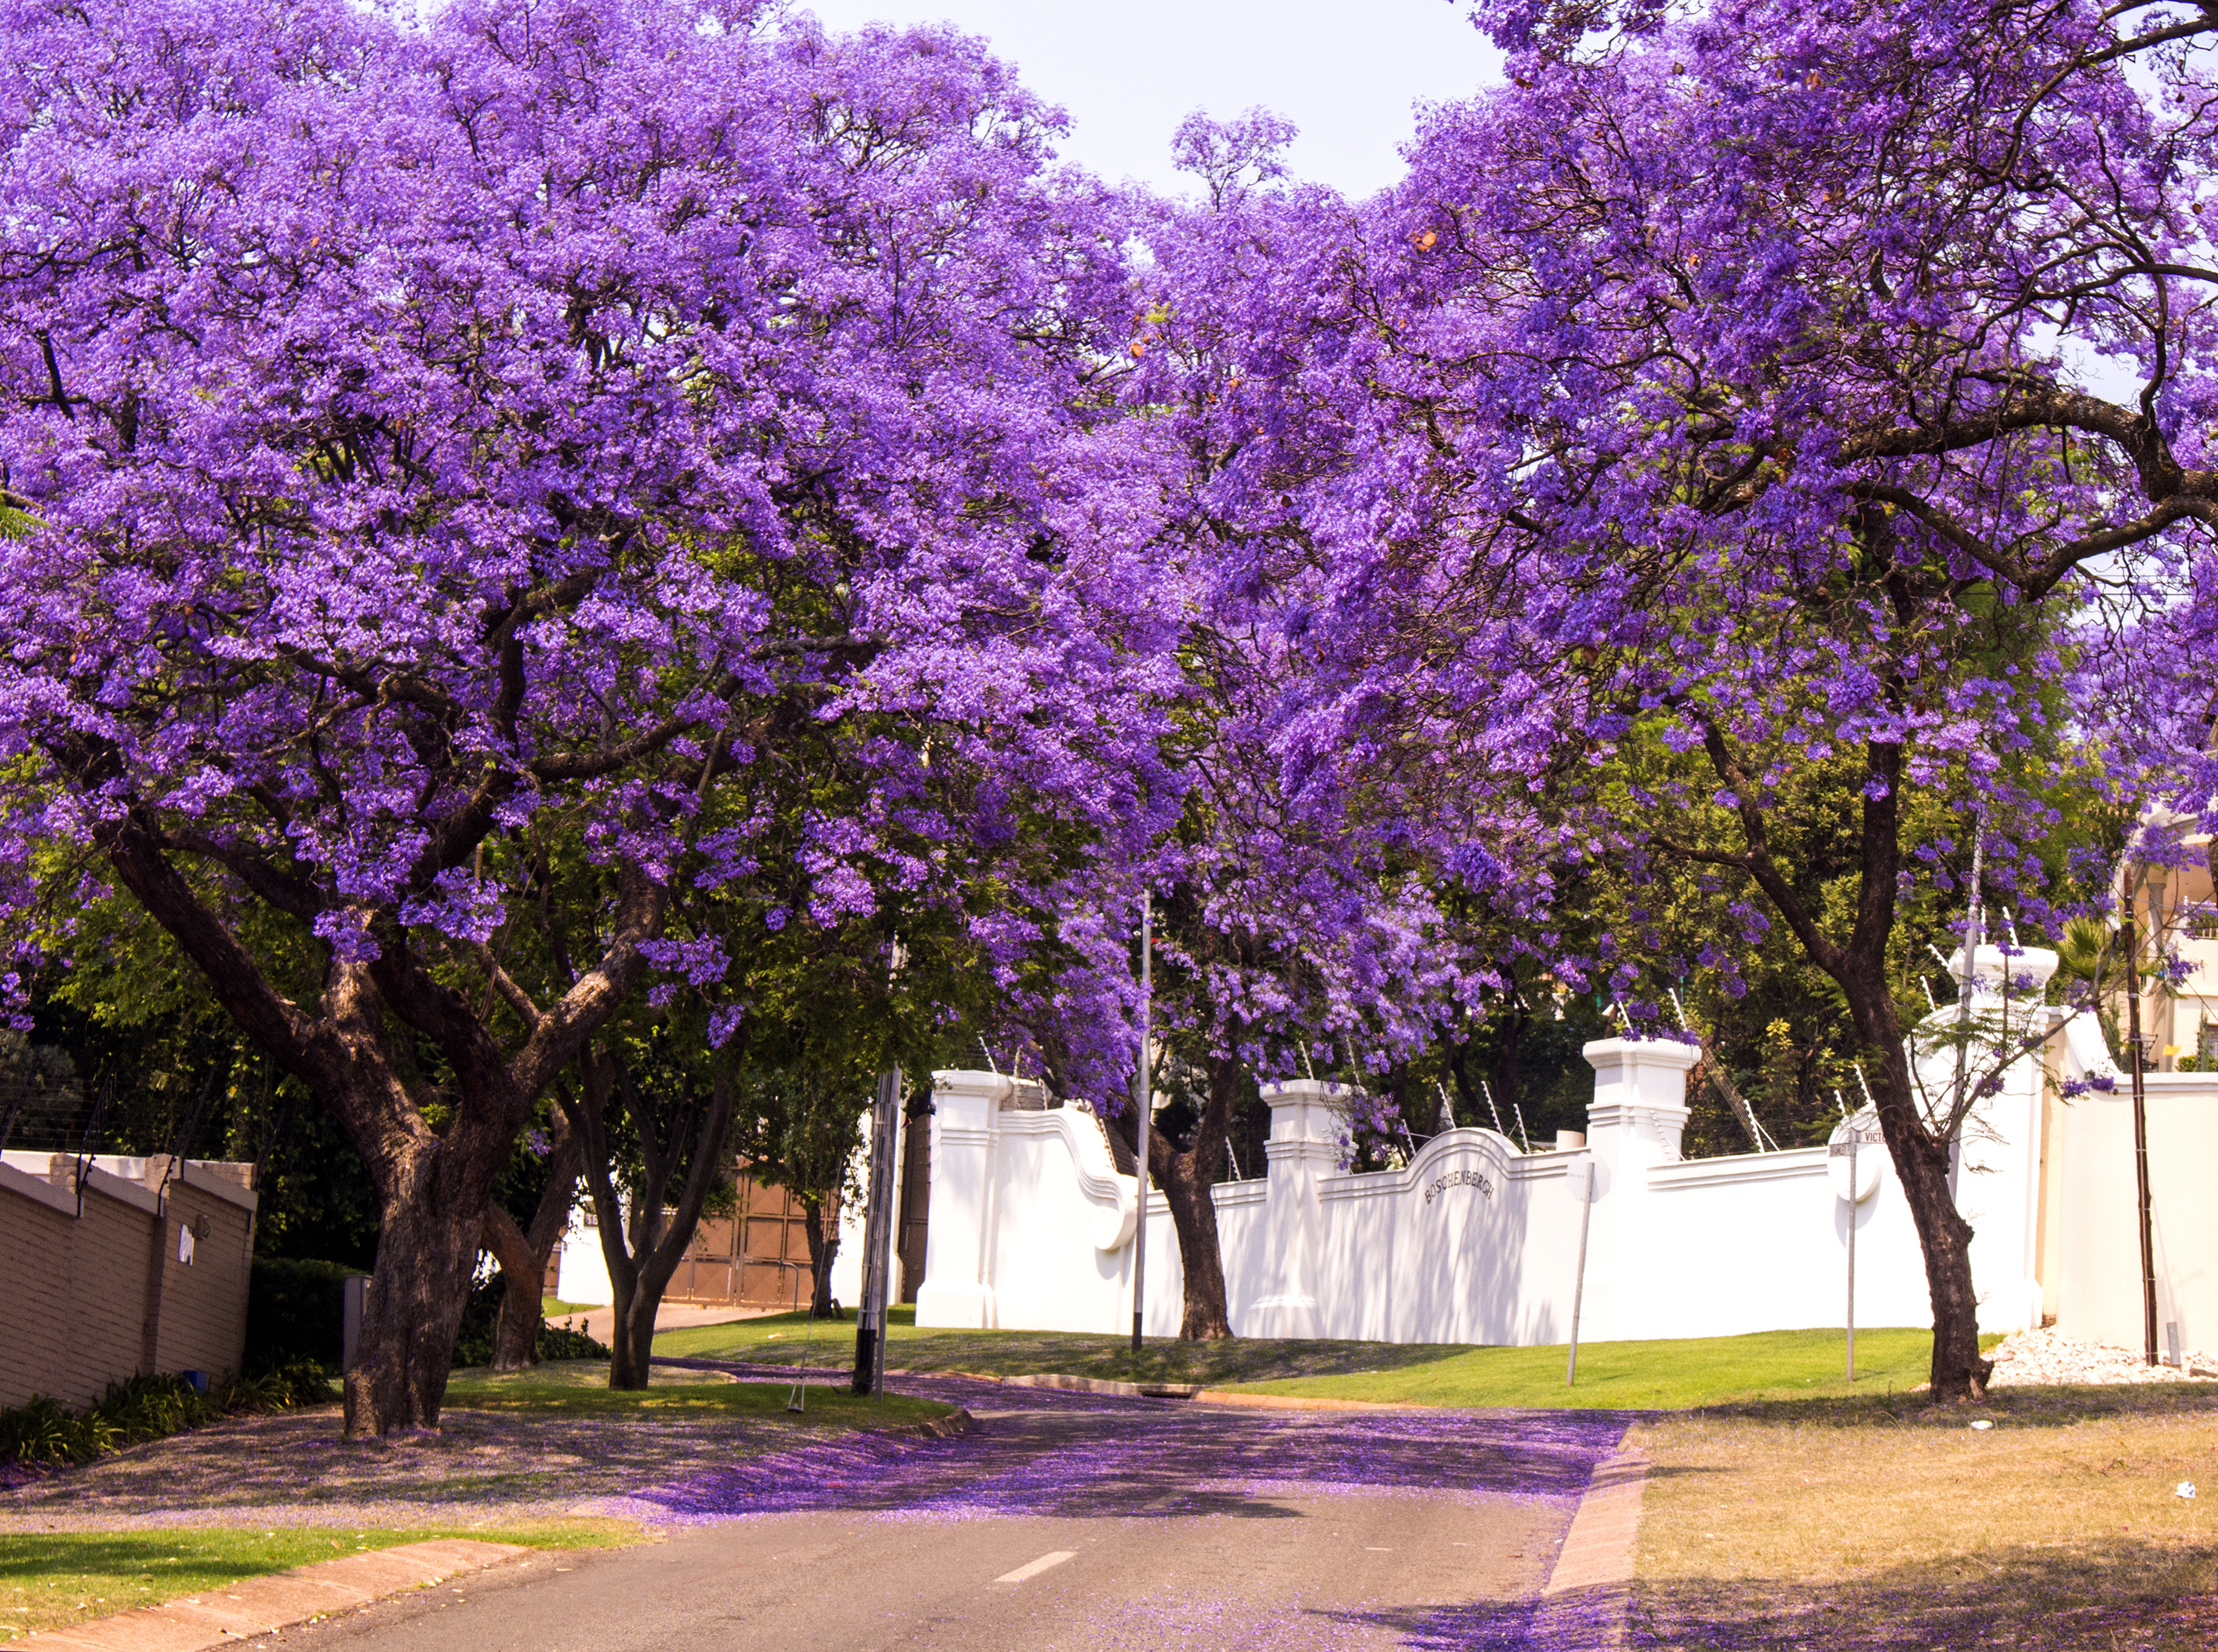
[(1317, 1087), (1114, 1224), (960, 1081), (1115, 1195), (1422, 1170), (2032, 967)]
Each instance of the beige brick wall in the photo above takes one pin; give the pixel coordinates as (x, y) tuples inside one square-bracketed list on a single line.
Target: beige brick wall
[(203, 1305), (74, 1289)]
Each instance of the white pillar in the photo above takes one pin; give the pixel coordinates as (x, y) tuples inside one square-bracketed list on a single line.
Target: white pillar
[(1307, 1121), (958, 1290), (1633, 1124)]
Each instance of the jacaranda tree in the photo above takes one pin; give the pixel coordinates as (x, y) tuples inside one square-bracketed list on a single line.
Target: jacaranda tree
[(1740, 390), (449, 450)]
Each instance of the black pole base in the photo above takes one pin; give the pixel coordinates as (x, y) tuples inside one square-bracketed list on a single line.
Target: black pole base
[(865, 1359)]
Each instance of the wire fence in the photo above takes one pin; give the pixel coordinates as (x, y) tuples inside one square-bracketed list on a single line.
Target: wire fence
[(37, 1117)]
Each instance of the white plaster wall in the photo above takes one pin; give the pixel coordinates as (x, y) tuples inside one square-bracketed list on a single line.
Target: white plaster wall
[(1472, 1241), (1444, 1249), (1759, 1242), (1997, 1176), (581, 1273), (2099, 1287), (1031, 1225)]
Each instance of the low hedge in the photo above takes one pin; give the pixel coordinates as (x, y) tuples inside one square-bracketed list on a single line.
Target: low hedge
[(293, 1312), (474, 1342), (45, 1432)]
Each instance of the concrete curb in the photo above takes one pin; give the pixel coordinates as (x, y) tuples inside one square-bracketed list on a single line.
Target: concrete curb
[(1596, 1559), (935, 1428), (260, 1605), (1295, 1401), (1101, 1385), (1193, 1391)]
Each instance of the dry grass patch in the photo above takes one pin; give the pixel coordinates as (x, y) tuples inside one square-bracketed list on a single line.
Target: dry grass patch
[(1861, 1523)]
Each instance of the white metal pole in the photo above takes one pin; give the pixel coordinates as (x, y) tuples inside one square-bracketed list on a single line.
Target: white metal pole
[(1582, 1187), (1855, 1131), (1143, 1099)]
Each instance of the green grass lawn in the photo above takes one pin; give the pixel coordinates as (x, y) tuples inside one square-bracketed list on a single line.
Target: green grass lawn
[(580, 1387), (52, 1579), (553, 1306), (1662, 1375), (1673, 1376)]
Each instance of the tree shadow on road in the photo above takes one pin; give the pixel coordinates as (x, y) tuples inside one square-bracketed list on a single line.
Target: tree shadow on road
[(1170, 1462)]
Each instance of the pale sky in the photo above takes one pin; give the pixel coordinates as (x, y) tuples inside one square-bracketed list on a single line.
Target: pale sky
[(1347, 74)]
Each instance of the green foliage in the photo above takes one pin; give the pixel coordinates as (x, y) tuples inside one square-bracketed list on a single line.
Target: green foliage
[(295, 1310), (173, 1068), (481, 1313), (43, 1431)]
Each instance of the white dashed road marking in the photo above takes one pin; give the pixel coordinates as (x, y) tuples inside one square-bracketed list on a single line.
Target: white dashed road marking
[(1034, 1567)]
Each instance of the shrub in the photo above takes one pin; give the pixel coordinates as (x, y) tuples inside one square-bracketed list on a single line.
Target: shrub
[(560, 1342), (293, 1312), (43, 1431), (474, 1342)]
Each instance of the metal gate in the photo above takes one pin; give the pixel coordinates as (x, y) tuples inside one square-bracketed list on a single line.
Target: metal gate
[(758, 1256)]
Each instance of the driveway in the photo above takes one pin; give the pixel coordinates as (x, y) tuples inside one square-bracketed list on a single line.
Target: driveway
[(1061, 1520), (599, 1323)]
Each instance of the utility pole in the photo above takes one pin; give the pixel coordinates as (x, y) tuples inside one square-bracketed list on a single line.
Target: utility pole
[(1143, 1095), (1580, 1178), (878, 1224)]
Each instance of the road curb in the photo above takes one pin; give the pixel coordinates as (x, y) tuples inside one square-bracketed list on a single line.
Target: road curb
[(1103, 1385), (260, 1605), (1293, 1401), (1193, 1391), (935, 1428), (1595, 1562)]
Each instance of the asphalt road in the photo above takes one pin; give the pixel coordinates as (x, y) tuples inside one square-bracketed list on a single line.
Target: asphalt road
[(1060, 1523)]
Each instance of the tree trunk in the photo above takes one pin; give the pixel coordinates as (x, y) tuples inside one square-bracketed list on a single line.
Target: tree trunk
[(1186, 1180), (1958, 1372), (631, 1338), (427, 1250), (823, 1250), (1186, 1189), (523, 1253), (433, 1186), (641, 1262), (1859, 967)]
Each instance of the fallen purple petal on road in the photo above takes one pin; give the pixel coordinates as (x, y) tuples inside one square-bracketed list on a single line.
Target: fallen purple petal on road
[(1184, 1460)]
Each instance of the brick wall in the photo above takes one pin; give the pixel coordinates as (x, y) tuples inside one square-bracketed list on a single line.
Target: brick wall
[(88, 1298)]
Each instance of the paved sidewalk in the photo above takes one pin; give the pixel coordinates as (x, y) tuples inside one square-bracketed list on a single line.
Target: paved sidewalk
[(260, 1605)]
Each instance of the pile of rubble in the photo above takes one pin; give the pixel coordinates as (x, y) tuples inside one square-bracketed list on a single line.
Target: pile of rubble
[(2047, 1357)]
